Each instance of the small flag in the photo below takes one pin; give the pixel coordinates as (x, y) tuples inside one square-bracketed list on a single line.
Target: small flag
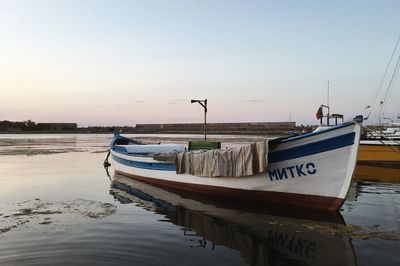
[(319, 113)]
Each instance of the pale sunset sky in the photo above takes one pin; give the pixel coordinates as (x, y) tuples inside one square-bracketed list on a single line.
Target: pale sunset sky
[(127, 62)]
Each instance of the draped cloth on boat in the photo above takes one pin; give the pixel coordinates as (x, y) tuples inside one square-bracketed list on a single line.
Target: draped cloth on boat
[(245, 160)]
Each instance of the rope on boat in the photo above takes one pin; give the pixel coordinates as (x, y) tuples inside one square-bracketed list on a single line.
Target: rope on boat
[(106, 163)]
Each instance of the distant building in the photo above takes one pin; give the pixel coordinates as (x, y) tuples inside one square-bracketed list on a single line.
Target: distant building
[(57, 126)]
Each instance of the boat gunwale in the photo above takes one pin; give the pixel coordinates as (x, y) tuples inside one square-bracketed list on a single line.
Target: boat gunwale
[(299, 151), (306, 135)]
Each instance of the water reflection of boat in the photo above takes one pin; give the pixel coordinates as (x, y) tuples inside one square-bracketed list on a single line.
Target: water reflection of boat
[(377, 171), (261, 238)]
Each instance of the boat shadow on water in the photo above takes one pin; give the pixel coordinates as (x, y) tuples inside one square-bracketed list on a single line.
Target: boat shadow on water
[(263, 235)]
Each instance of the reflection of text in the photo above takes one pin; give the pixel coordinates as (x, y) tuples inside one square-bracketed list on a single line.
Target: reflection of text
[(297, 245)]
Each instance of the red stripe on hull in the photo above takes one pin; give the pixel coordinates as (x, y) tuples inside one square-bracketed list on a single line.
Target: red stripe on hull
[(279, 198)]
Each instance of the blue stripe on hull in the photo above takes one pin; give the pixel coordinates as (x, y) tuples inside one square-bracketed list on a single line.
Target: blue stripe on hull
[(145, 165), (307, 135), (312, 148)]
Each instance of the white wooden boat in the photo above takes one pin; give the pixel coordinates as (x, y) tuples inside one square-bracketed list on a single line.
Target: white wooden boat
[(311, 170)]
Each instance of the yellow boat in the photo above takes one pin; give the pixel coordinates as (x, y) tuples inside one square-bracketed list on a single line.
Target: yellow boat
[(379, 151), (378, 160)]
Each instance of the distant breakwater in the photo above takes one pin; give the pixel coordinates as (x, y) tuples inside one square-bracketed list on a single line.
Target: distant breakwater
[(244, 128), (248, 128)]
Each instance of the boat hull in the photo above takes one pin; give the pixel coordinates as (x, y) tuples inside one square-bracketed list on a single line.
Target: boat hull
[(265, 197), (314, 171), (379, 151)]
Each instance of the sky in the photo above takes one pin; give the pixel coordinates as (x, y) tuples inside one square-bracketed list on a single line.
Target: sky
[(128, 62)]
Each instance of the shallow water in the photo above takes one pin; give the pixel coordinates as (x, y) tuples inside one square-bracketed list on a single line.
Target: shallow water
[(58, 206)]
